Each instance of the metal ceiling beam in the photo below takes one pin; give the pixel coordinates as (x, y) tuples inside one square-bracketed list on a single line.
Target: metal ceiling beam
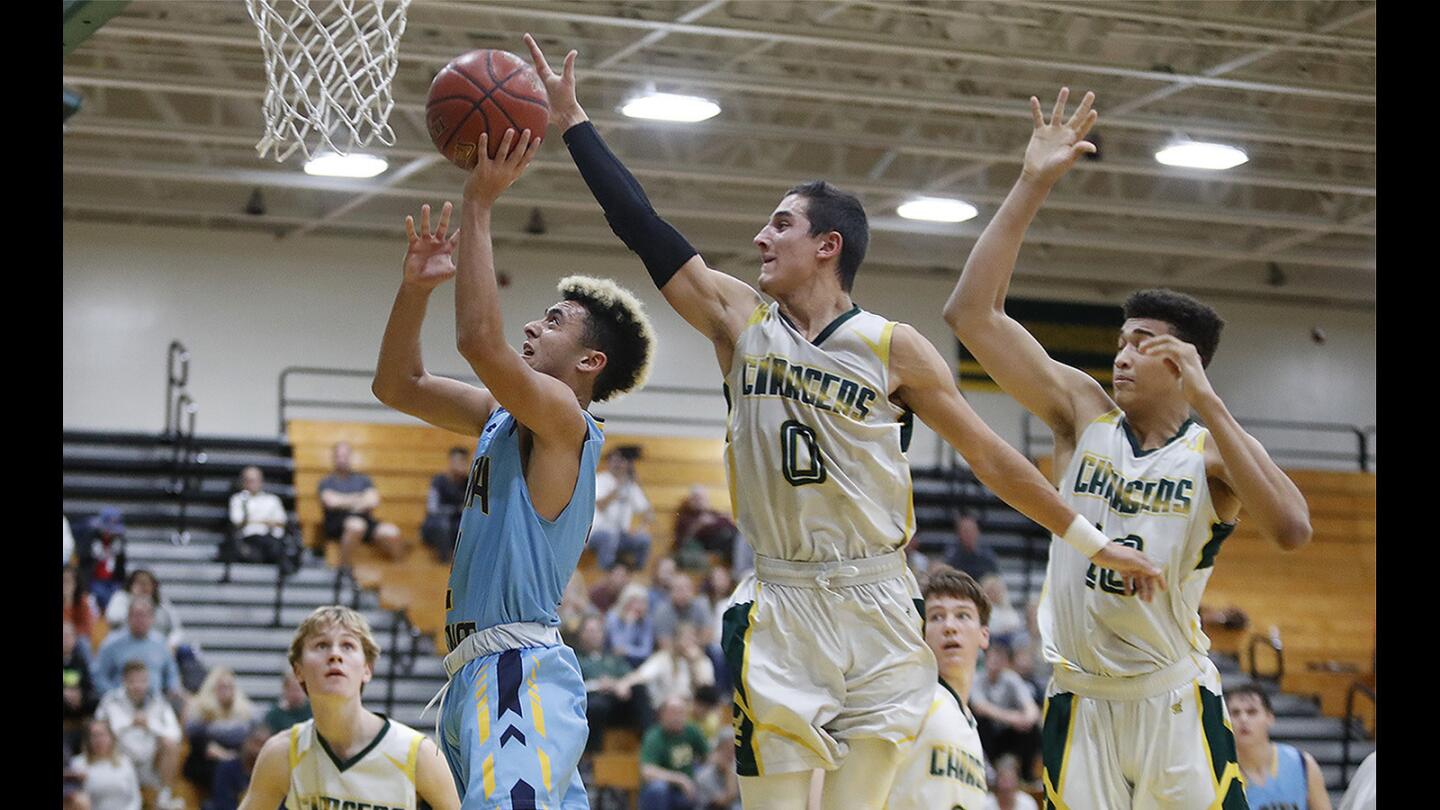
[(655, 36), (1269, 251), (1208, 22)]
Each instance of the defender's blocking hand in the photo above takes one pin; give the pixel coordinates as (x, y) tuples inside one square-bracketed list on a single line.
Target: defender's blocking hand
[(1055, 146), (565, 109)]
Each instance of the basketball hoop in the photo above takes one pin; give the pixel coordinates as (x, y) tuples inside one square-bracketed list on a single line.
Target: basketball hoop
[(328, 66)]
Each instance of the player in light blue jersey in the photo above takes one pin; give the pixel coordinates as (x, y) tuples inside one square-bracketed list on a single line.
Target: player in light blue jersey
[(512, 717)]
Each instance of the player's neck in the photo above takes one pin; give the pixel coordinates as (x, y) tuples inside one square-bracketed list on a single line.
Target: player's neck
[(1256, 758), (815, 306), (959, 682), (344, 723), (1155, 423)]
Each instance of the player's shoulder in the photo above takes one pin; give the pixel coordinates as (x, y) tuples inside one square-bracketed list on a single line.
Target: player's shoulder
[(276, 752)]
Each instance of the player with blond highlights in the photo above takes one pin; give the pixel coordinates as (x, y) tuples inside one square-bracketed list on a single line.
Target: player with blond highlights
[(512, 717), (346, 756)]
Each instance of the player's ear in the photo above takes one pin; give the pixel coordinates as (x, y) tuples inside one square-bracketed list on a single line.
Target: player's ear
[(592, 362), (984, 638), (830, 245)]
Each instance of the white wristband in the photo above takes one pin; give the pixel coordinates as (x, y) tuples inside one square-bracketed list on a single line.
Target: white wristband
[(1084, 538)]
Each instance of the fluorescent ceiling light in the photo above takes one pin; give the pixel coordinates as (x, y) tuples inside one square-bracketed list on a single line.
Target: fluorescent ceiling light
[(332, 165), (671, 107), (1192, 155), (937, 209)]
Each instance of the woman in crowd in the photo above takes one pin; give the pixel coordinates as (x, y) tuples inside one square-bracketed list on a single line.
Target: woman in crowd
[(109, 777), (628, 625), (217, 720)]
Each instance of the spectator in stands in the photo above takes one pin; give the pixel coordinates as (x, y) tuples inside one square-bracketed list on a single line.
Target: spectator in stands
[(629, 628), (67, 541), (969, 555), (668, 755), (622, 512), (1006, 623), (138, 642), (574, 605), (258, 520), (605, 592), (665, 570), (444, 503), (1005, 712), (146, 730), (77, 605), (1034, 668), (217, 720), (681, 669), (102, 554), (142, 582), (232, 776), (719, 584), (601, 670), (110, 780), (1007, 794), (350, 500), (701, 530), (684, 605), (716, 786), (293, 706), (80, 697), (1276, 775)]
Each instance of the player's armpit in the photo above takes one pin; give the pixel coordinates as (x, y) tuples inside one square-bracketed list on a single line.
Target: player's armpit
[(433, 781), (271, 779), (715, 303), (440, 401)]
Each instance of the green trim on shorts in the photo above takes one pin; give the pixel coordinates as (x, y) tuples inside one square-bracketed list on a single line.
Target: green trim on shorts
[(1054, 731), (733, 627), (1221, 742)]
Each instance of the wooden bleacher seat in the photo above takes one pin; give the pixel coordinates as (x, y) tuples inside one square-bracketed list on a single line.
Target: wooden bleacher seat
[(617, 771)]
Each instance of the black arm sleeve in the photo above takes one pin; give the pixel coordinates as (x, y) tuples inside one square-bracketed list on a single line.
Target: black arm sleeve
[(627, 209)]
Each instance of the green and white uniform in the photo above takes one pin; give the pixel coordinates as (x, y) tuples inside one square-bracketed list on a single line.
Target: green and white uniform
[(1133, 714), (381, 777), (824, 638), (944, 768)]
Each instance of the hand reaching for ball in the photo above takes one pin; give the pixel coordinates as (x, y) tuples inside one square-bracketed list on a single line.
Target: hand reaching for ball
[(565, 111), (491, 176)]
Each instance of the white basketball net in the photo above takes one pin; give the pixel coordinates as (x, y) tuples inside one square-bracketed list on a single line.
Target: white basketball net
[(328, 65)]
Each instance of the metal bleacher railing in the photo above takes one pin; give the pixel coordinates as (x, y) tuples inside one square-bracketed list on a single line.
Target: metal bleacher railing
[(180, 413), (1352, 721)]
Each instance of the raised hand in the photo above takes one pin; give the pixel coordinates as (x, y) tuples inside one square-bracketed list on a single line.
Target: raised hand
[(1183, 359), (1055, 146), (1142, 576), (491, 176), (428, 262), (565, 109)]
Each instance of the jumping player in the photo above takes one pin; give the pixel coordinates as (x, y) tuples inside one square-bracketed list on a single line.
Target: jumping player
[(1133, 717), (346, 755), (512, 718), (823, 640)]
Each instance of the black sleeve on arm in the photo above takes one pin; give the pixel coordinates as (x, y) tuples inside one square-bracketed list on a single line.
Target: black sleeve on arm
[(627, 209)]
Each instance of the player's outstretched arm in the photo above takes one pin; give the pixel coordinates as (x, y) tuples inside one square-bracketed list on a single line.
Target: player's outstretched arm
[(1063, 397), (1243, 465), (401, 380), (270, 780), (433, 780), (925, 385), (715, 303), (544, 404)]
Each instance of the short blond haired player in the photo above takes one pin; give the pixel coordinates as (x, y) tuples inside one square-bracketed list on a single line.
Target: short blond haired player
[(1133, 714), (345, 756)]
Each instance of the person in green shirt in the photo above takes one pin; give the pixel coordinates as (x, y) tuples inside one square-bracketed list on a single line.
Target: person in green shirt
[(293, 706), (669, 753), (608, 703)]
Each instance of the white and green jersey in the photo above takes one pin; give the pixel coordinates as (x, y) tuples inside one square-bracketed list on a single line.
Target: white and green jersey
[(381, 777), (815, 448), (944, 767), (1157, 501)]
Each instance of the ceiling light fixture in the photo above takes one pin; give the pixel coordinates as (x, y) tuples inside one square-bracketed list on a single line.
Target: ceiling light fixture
[(333, 165), (937, 209), (671, 107), (1196, 155)]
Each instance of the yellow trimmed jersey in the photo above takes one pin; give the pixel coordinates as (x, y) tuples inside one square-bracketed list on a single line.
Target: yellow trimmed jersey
[(1157, 501), (380, 777), (943, 768), (815, 449)]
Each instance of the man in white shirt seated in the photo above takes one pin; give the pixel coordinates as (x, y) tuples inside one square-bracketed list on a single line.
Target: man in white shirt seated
[(258, 519), (619, 502), (146, 730)]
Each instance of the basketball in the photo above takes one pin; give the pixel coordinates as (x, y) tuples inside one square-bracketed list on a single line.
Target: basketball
[(485, 91)]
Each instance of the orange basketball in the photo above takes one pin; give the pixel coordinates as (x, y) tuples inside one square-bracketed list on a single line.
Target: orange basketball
[(485, 91)]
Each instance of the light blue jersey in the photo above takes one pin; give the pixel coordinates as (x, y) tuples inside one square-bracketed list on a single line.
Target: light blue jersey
[(511, 564), (1285, 788)]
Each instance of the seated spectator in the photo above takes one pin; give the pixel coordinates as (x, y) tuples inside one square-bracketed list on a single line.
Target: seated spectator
[(146, 730), (232, 776), (349, 500), (684, 605), (1276, 775), (716, 786), (258, 520), (701, 530), (137, 642), (969, 554), (1006, 623), (608, 589), (622, 513), (601, 670), (67, 541), (77, 605), (628, 626), (293, 706), (102, 554), (108, 776), (665, 570), (681, 669), (142, 582), (444, 503), (718, 586), (668, 754), (1005, 712), (80, 697), (217, 720), (1007, 794), (574, 605)]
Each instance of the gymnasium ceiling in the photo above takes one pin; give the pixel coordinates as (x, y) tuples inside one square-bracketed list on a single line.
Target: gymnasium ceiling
[(888, 99)]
